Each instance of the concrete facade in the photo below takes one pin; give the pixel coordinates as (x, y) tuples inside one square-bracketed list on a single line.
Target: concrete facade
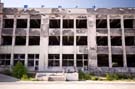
[(63, 38)]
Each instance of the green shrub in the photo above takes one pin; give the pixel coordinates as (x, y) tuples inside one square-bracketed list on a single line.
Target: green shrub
[(94, 78), (84, 76), (24, 77), (19, 70)]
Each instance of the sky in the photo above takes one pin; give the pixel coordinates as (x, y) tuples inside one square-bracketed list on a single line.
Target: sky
[(69, 3)]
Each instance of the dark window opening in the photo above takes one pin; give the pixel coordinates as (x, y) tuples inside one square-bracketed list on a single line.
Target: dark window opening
[(33, 56), (68, 23), (68, 40), (82, 60), (6, 40), (81, 23), (5, 59), (102, 41), (15, 61), (54, 40), (30, 63), (128, 23), (117, 60), (81, 40), (116, 41), (67, 60), (19, 56), (53, 56), (35, 23), (101, 23), (102, 60), (55, 23), (131, 60), (115, 23), (52, 63), (34, 40), (8, 23), (130, 41), (21, 23), (20, 40)]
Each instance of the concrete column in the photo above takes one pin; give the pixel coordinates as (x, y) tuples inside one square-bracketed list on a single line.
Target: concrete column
[(13, 41), (75, 43), (92, 49), (27, 40), (1, 26), (61, 35), (109, 41), (43, 60), (123, 42)]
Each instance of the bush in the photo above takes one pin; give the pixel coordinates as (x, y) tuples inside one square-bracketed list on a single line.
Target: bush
[(19, 70), (84, 76), (112, 76), (117, 76), (24, 77)]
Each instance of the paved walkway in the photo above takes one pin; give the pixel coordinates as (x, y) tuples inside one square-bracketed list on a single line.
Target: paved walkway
[(5, 78), (67, 85)]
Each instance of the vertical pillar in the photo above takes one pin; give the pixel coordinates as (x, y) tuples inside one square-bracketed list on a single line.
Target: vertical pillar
[(43, 60), (75, 43), (92, 49), (13, 40), (61, 35), (109, 41), (27, 41), (123, 42)]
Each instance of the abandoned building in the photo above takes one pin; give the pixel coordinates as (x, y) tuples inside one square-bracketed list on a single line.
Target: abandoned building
[(95, 40)]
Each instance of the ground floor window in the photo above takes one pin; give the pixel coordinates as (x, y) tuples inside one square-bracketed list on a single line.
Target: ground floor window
[(5, 59), (20, 58), (68, 60), (102, 60), (117, 60), (53, 60), (82, 60), (131, 60)]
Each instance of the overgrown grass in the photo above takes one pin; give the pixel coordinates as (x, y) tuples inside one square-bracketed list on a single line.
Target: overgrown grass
[(87, 76), (118, 77)]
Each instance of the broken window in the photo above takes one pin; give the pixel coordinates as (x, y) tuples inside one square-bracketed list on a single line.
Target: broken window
[(102, 60), (21, 23), (101, 23), (68, 23), (8, 23), (82, 60), (131, 60), (54, 23), (81, 23), (128, 23), (19, 57), (20, 40), (54, 40), (130, 41), (5, 59), (102, 41), (34, 40), (53, 60), (117, 60), (68, 40), (116, 41), (81, 40), (115, 23), (35, 23), (32, 58), (6, 40), (68, 60)]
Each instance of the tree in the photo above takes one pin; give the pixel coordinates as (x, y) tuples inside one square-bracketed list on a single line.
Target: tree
[(19, 70)]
